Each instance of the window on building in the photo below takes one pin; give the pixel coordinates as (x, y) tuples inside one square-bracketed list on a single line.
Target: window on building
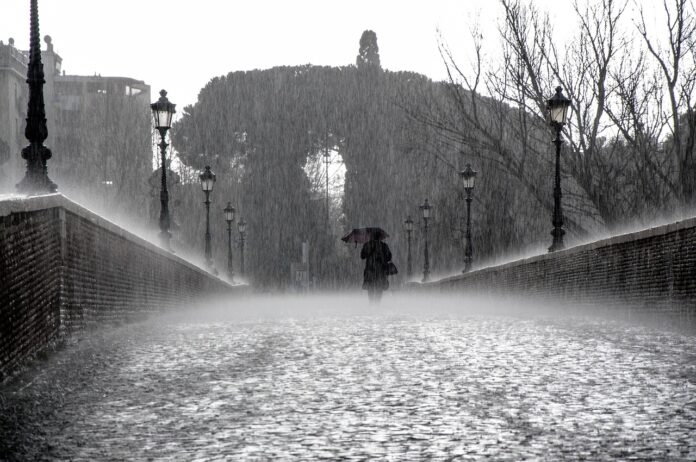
[(132, 91), (96, 88)]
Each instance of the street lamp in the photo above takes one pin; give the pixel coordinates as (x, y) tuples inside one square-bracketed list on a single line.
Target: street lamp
[(241, 227), (162, 113), (425, 209), (229, 218), (408, 224), (36, 179), (468, 177), (327, 161), (558, 110), (207, 182)]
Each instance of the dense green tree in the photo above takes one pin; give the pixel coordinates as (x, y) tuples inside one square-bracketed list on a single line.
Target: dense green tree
[(259, 129), (368, 54)]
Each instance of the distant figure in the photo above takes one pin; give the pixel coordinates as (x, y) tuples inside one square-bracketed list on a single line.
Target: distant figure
[(377, 257)]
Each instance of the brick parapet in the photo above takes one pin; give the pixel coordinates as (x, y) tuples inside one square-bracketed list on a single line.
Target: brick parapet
[(63, 268), (655, 267)]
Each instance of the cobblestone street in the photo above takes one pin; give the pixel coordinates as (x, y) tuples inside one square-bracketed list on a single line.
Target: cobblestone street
[(320, 378)]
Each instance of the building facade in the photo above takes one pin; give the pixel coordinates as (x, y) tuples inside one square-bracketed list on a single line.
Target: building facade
[(13, 109), (99, 131)]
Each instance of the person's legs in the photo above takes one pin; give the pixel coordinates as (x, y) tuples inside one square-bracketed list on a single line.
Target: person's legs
[(376, 296), (371, 294)]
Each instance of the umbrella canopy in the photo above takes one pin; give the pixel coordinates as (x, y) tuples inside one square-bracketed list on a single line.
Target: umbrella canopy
[(362, 235)]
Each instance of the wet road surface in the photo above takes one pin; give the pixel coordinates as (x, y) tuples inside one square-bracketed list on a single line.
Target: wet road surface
[(319, 378)]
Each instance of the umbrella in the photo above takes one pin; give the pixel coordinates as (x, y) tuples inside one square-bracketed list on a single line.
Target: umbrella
[(362, 235)]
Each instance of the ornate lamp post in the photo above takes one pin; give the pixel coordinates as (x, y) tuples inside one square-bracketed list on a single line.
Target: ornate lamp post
[(162, 113), (408, 225), (241, 227), (425, 209), (468, 177), (558, 110), (327, 161), (229, 218), (36, 179), (207, 182)]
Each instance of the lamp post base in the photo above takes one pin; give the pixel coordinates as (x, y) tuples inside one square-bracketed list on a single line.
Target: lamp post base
[(36, 186), (165, 240), (211, 268), (557, 244), (556, 247), (36, 180)]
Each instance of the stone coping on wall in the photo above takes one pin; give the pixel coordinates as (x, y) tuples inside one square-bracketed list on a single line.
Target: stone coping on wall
[(607, 242), (10, 204)]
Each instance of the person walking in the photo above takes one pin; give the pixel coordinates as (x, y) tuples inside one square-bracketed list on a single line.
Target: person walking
[(377, 258)]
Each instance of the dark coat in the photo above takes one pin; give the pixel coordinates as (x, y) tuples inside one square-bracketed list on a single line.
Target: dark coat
[(376, 255)]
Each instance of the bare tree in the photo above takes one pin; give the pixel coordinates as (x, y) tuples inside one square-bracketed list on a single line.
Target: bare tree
[(632, 126), (500, 112), (674, 57)]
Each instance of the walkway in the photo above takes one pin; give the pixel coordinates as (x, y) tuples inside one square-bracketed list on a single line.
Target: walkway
[(320, 378)]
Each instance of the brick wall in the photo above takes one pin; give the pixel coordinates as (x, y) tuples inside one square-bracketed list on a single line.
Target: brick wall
[(30, 277), (650, 268), (63, 268)]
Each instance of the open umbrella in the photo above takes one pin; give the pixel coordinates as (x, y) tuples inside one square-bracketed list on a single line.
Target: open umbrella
[(362, 235)]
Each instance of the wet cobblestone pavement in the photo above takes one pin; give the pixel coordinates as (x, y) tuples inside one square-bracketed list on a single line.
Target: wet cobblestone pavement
[(322, 382)]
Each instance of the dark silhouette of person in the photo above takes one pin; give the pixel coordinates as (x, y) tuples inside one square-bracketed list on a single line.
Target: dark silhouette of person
[(377, 256)]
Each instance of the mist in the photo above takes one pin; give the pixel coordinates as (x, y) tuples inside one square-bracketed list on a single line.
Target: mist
[(329, 375)]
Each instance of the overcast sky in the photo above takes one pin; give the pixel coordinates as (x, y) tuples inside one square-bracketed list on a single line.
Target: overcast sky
[(180, 45)]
